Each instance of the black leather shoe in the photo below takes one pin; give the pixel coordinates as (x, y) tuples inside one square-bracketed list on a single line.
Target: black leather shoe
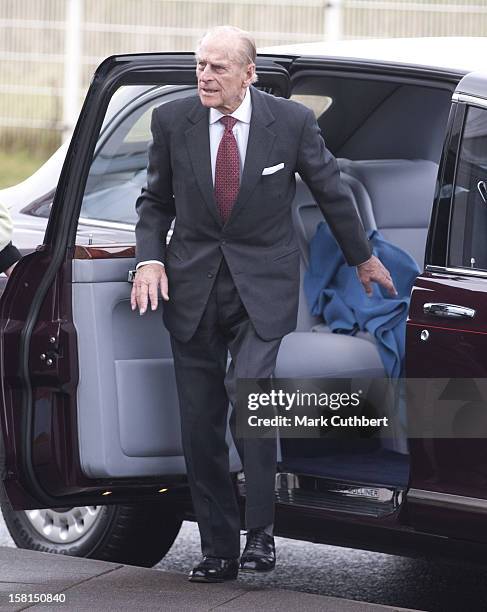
[(214, 569), (259, 554)]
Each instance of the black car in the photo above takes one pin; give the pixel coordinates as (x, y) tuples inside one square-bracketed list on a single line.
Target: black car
[(89, 409)]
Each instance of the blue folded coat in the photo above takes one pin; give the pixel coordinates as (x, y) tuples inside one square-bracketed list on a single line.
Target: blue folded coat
[(333, 291)]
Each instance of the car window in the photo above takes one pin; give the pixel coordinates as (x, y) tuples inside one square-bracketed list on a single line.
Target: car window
[(119, 167), (118, 170), (468, 229)]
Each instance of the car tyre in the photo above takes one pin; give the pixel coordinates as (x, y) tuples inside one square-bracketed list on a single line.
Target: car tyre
[(139, 534)]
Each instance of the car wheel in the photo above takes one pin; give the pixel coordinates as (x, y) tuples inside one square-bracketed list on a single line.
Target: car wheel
[(133, 534)]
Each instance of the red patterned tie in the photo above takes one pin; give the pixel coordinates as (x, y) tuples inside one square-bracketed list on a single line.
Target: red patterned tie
[(227, 170)]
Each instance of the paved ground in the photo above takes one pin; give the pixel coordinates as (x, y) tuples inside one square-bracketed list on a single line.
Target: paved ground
[(340, 574), (96, 585), (425, 584)]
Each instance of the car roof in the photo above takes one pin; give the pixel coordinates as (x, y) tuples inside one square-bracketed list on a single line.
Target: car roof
[(459, 53)]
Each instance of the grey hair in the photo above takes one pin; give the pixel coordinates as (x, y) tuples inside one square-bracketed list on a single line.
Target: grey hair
[(244, 53)]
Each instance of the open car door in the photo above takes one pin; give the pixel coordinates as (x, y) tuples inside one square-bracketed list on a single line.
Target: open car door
[(447, 333), (89, 406)]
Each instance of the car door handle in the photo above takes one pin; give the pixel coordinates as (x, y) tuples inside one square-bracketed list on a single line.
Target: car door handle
[(482, 189), (450, 311)]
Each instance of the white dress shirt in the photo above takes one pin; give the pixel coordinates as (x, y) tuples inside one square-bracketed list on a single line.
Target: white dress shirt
[(216, 128), (240, 131)]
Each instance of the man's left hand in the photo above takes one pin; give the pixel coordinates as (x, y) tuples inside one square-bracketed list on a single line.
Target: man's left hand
[(372, 270)]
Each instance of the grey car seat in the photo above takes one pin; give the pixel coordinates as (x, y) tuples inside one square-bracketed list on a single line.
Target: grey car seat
[(393, 196)]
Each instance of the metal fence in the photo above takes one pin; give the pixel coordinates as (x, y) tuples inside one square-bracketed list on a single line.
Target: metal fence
[(42, 41)]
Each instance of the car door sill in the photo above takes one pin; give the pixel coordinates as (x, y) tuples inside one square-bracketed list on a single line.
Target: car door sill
[(316, 493)]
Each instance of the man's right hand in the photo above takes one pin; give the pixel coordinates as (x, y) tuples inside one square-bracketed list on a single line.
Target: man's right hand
[(147, 281)]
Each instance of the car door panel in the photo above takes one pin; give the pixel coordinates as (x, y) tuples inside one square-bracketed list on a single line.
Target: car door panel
[(127, 403), (455, 348)]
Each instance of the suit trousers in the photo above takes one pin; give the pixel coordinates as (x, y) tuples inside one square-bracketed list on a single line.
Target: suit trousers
[(205, 389)]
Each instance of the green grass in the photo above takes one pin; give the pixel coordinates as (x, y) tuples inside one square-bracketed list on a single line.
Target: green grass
[(17, 166)]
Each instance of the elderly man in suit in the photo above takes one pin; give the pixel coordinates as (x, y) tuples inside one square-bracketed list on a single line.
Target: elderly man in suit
[(223, 165)]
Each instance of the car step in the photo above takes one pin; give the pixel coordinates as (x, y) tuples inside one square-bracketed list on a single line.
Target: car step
[(321, 493), (301, 490)]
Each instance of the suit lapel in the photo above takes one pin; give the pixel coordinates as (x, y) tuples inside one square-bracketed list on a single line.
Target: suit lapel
[(198, 144), (259, 145)]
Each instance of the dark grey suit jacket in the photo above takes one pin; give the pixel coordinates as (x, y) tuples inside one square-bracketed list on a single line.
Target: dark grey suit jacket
[(258, 240)]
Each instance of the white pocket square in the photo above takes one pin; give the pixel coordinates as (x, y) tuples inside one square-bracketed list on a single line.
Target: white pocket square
[(272, 169)]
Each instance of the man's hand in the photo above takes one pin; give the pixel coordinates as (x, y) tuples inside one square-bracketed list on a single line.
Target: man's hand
[(373, 270), (9, 270), (146, 284)]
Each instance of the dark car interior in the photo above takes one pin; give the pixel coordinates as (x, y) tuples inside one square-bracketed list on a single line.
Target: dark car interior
[(387, 134), (378, 119)]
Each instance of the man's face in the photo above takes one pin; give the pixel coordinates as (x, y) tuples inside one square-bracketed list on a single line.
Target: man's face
[(222, 79)]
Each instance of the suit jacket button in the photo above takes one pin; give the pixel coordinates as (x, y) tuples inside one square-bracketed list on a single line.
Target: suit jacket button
[(223, 242), (210, 275)]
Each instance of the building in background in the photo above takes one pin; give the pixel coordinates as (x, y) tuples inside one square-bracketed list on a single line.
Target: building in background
[(50, 48)]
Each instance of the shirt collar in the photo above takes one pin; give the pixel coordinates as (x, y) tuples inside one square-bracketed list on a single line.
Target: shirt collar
[(242, 113)]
